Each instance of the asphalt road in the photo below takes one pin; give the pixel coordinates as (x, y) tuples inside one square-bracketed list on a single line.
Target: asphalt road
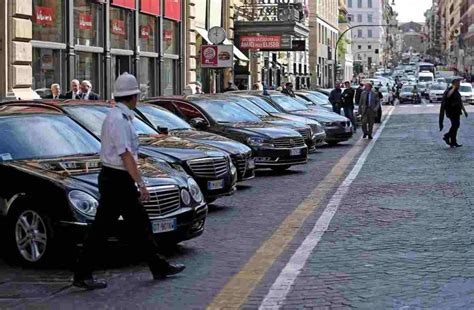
[(400, 236)]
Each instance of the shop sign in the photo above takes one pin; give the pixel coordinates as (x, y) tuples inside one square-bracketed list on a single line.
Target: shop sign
[(118, 27), (145, 31), (85, 21), (150, 6), (260, 42), (173, 9), (129, 4), (44, 16), (217, 56)]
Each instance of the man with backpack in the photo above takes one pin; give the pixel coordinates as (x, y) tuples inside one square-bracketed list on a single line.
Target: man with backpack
[(453, 107)]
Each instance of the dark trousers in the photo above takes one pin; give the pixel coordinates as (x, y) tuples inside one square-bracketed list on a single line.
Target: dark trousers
[(349, 113), (118, 197), (453, 131), (368, 120), (336, 108)]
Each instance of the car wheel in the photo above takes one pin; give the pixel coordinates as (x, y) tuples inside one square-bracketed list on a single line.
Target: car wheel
[(30, 236), (281, 168)]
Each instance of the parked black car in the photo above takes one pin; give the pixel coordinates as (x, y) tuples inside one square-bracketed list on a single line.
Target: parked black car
[(212, 169), (275, 148), (49, 194), (165, 121)]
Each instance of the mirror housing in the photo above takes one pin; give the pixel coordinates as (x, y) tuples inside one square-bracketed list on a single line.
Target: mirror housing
[(162, 130), (199, 123)]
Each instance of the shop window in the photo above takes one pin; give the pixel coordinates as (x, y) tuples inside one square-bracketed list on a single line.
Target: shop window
[(147, 33), (87, 68), (147, 73), (169, 77), (48, 20), (47, 68), (170, 37), (120, 32), (88, 23)]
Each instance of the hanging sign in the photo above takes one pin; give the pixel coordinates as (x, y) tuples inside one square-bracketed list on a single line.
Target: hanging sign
[(85, 21), (260, 42), (217, 56), (150, 6), (44, 16), (118, 27), (173, 9)]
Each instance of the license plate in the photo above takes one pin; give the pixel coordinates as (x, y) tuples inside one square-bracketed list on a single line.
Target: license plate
[(295, 152), (215, 184), (161, 226), (251, 164)]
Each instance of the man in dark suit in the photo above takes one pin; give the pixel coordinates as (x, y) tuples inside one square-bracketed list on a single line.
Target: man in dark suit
[(74, 93), (453, 107), (86, 91), (348, 103), (368, 107), (55, 92)]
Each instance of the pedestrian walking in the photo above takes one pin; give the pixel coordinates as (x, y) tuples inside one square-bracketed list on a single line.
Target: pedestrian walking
[(358, 92), (335, 98), (122, 191), (86, 91), (348, 103), (55, 92), (369, 105), (74, 93), (452, 106), (288, 90)]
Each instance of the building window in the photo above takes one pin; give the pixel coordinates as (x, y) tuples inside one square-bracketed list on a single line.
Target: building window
[(369, 47), (359, 18), (369, 3), (48, 20), (349, 3), (87, 68), (88, 23), (369, 33), (359, 4), (169, 77), (369, 18), (147, 32), (359, 33), (170, 36), (147, 77), (359, 47), (47, 69), (120, 28)]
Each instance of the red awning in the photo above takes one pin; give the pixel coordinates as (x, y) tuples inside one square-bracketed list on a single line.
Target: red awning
[(129, 4), (150, 6), (173, 9)]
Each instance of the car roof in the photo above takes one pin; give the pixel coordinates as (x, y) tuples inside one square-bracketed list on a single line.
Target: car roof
[(27, 107), (63, 103)]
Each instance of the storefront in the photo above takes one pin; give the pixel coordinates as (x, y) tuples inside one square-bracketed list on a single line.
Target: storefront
[(98, 40)]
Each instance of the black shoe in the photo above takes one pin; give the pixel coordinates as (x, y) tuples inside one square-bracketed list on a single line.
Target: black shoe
[(90, 284), (446, 139), (456, 145), (365, 136), (169, 271), (370, 137)]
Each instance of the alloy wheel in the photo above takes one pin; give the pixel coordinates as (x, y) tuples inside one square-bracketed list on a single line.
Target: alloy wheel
[(31, 236)]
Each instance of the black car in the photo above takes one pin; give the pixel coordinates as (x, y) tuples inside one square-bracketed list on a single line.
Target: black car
[(212, 169), (165, 121), (49, 194), (275, 148)]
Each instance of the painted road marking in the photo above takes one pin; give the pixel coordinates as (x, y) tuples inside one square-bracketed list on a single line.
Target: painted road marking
[(282, 285), (235, 293)]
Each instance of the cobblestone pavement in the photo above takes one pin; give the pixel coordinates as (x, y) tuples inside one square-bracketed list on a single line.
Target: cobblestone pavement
[(400, 239)]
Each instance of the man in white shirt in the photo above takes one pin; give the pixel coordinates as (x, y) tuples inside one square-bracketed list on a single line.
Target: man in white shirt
[(55, 92), (122, 190)]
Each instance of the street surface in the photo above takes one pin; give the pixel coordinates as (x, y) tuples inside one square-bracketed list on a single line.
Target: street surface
[(396, 234)]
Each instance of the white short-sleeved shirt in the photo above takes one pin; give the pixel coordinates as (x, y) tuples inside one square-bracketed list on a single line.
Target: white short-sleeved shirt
[(118, 136)]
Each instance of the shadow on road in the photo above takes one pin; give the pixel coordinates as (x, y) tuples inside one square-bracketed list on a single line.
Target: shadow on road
[(272, 173)]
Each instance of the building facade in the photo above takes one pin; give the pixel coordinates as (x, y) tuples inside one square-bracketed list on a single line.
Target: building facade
[(413, 38)]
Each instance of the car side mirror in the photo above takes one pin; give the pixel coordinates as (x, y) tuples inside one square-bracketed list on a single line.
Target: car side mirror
[(199, 123), (162, 130)]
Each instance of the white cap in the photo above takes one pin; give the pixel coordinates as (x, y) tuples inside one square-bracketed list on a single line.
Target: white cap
[(126, 85)]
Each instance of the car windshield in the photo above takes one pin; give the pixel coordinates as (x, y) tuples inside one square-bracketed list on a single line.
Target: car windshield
[(438, 87), (162, 118), (320, 95), (312, 98), (39, 136), (92, 117), (223, 111), (245, 103), (465, 89), (425, 78), (407, 88), (288, 103), (263, 104)]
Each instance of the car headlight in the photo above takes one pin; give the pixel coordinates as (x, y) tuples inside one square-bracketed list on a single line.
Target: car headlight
[(233, 169), (185, 197), (257, 141), (83, 202), (195, 190)]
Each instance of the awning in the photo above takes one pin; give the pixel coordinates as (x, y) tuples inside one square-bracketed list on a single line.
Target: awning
[(238, 55)]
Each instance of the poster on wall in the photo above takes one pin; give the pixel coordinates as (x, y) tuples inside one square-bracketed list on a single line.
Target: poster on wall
[(118, 27), (85, 21), (173, 9), (44, 16), (145, 32), (150, 7), (217, 56)]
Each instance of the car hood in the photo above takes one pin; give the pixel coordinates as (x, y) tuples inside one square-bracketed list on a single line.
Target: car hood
[(321, 116), (437, 92), (216, 141), (261, 129), (299, 119), (279, 122)]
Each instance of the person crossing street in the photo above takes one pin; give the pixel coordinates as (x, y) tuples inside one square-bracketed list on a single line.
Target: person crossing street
[(453, 107), (369, 105), (122, 191)]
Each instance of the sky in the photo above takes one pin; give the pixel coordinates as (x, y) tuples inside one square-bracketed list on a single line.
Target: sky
[(411, 10)]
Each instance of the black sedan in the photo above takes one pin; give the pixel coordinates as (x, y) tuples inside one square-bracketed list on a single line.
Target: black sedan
[(212, 169), (275, 148), (165, 121), (51, 193)]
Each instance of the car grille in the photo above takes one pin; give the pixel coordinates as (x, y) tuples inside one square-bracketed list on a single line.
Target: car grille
[(209, 167), (345, 124), (288, 143), (305, 132), (163, 200), (241, 162)]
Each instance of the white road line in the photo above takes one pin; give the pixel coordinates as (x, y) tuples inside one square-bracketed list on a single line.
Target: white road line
[(282, 285)]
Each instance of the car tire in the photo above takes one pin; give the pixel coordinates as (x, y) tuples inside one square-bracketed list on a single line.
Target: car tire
[(30, 236), (281, 168)]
